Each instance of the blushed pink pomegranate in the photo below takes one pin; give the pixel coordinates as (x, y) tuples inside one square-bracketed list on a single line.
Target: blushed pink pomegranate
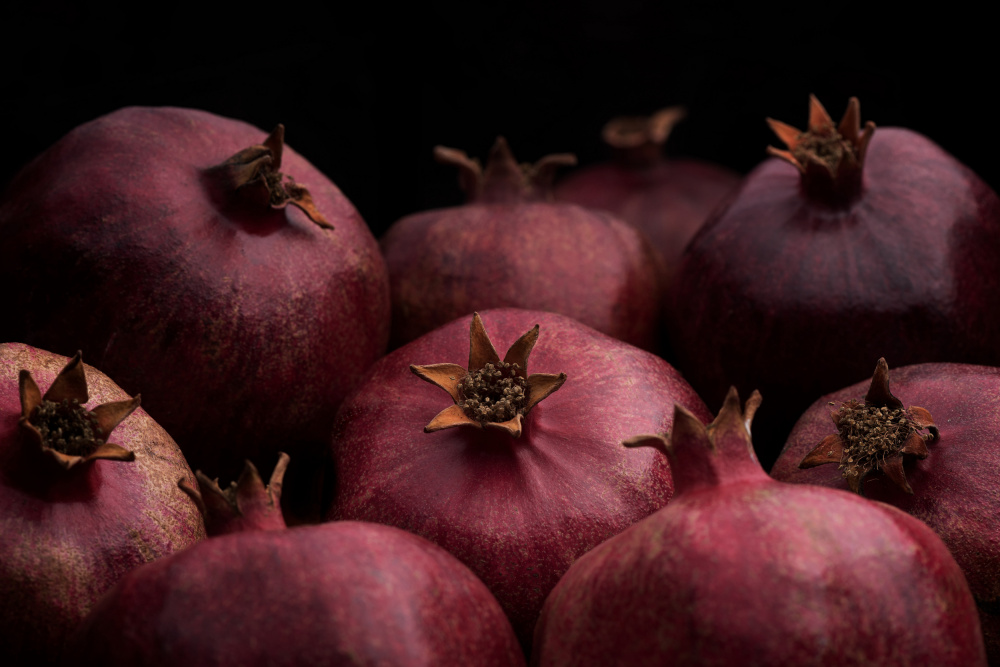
[(938, 462), (510, 247), (742, 570), (511, 464), (853, 243), (667, 198), (202, 261), (343, 593), (87, 493)]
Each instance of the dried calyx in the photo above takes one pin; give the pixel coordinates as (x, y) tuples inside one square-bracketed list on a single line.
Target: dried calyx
[(638, 140), (504, 180), (875, 436), (245, 504), (62, 427), (253, 173), (491, 393), (831, 158)]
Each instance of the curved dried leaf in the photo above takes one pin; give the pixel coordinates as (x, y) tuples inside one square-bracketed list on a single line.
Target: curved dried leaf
[(31, 395), (450, 417), (71, 383), (878, 393), (481, 350), (110, 415), (831, 450), (541, 386), (519, 351), (446, 376)]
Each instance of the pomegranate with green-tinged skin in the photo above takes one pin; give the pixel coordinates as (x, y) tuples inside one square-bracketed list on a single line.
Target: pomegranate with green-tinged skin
[(858, 243), (162, 241), (951, 483), (88, 492), (343, 593), (519, 471), (667, 198), (509, 246), (742, 570)]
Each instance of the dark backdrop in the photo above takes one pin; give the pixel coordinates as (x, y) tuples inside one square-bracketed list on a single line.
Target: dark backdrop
[(366, 97)]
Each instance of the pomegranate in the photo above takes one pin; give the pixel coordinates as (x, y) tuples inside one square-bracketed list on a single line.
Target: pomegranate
[(742, 570), (511, 247), (668, 199), (946, 476), (854, 243), (171, 243), (515, 486), (86, 495), (336, 593)]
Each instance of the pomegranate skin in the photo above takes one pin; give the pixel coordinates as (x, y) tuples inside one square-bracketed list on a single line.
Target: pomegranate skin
[(791, 295), (243, 328), (511, 247), (516, 511), (668, 200), (741, 570), (342, 593), (66, 536), (954, 488)]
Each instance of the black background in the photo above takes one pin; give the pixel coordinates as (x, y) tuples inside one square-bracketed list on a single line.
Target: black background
[(366, 95)]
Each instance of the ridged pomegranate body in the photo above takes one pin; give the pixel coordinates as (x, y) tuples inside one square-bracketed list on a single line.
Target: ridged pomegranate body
[(511, 248), (66, 536), (955, 489), (343, 593), (517, 511), (242, 327), (741, 570), (795, 296)]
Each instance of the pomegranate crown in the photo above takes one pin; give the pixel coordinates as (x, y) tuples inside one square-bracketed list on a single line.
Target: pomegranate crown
[(490, 393), (639, 140), (504, 180), (63, 429), (245, 504), (830, 158), (875, 436)]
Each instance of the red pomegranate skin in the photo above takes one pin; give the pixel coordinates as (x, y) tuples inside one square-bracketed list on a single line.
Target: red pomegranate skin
[(516, 249), (519, 511), (66, 536), (741, 570), (795, 297), (243, 329), (954, 489), (668, 200), (344, 593)]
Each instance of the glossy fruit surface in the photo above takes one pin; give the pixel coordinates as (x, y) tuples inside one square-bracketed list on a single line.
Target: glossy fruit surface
[(517, 509), (72, 524), (742, 570)]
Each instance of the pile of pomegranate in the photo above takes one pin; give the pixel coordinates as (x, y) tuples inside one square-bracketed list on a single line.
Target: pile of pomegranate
[(446, 504)]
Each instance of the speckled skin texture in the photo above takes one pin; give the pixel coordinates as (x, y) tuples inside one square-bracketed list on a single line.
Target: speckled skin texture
[(343, 593), (668, 200), (517, 512), (795, 298), (956, 489), (535, 255), (743, 571), (68, 536), (242, 330)]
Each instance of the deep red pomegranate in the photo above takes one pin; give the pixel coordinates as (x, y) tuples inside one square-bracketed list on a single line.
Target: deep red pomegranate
[(938, 462), (509, 246), (850, 245), (161, 240), (88, 492), (742, 570), (521, 486), (343, 593), (668, 199)]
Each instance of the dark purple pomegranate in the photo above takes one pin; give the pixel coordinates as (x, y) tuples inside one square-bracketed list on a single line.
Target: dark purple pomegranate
[(343, 593), (88, 492), (939, 462), (668, 199), (161, 241), (741, 570), (515, 486), (510, 247), (853, 243)]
